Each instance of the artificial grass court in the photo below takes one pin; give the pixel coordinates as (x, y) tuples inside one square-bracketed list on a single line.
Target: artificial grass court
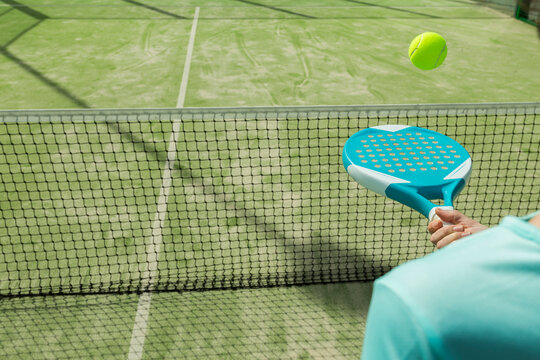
[(316, 53), (262, 215), (127, 54), (269, 323)]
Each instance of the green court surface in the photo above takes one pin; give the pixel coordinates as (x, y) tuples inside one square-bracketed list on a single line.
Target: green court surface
[(87, 226), (258, 53), (308, 322), (258, 198)]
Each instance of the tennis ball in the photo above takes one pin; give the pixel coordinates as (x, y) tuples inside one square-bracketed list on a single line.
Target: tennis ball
[(427, 51)]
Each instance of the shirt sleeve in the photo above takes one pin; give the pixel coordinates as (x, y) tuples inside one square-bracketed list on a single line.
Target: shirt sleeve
[(392, 330)]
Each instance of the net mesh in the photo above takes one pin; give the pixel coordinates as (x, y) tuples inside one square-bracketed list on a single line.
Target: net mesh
[(95, 201)]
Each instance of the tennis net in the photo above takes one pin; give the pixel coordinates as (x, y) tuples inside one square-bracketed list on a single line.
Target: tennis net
[(95, 201)]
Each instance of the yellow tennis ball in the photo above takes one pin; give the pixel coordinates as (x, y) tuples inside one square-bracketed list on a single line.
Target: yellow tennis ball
[(427, 51)]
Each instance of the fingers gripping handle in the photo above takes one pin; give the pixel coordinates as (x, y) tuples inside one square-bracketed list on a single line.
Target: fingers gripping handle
[(433, 216)]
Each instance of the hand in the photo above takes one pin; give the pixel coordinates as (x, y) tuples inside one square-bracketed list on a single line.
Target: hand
[(461, 226)]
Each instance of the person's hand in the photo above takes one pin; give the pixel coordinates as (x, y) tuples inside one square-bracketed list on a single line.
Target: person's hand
[(461, 226)]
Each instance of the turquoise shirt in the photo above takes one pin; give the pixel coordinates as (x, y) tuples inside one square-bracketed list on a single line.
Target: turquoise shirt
[(478, 298)]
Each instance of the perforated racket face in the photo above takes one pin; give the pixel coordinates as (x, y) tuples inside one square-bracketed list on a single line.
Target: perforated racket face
[(410, 154)]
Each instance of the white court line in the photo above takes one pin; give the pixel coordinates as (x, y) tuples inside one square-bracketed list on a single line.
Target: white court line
[(138, 334), (187, 65)]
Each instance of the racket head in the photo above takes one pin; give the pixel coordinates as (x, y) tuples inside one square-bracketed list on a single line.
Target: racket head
[(409, 164)]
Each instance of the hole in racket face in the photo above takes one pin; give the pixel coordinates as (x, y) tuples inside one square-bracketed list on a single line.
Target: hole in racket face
[(410, 154)]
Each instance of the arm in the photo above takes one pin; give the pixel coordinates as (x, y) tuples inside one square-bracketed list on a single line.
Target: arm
[(462, 226)]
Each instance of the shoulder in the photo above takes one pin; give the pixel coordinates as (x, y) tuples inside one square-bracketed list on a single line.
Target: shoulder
[(429, 271), (459, 293), (509, 243)]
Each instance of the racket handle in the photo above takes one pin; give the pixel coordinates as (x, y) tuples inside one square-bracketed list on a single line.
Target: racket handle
[(433, 216)]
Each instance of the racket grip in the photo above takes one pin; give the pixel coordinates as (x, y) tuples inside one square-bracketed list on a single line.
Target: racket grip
[(433, 216)]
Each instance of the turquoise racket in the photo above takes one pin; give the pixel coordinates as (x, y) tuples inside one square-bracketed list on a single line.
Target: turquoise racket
[(408, 164)]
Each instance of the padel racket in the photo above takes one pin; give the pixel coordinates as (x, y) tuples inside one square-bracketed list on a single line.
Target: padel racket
[(408, 164)]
